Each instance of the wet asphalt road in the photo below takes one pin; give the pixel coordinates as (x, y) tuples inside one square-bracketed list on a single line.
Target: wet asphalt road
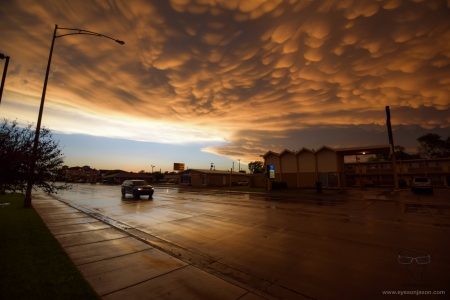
[(330, 247)]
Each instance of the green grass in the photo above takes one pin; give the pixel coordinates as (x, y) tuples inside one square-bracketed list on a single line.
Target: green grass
[(32, 263)]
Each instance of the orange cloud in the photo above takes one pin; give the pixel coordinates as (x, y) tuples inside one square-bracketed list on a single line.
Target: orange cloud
[(211, 69)]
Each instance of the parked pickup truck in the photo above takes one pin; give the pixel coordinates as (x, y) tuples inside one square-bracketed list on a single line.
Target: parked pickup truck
[(421, 184)]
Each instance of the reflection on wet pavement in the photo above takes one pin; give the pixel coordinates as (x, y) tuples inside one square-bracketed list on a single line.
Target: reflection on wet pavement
[(288, 247)]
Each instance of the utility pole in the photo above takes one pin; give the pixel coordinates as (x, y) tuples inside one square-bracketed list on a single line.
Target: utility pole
[(391, 141), (2, 56), (239, 165)]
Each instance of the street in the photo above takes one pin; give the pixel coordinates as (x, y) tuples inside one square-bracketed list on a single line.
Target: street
[(323, 247)]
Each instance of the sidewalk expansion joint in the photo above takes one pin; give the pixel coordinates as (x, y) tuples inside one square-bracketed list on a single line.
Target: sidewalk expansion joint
[(196, 260), (88, 230), (71, 246), (105, 259)]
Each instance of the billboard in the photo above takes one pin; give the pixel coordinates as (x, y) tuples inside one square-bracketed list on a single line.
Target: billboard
[(271, 171), (178, 167)]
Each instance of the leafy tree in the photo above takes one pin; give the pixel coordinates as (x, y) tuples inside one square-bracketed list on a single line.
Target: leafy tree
[(399, 154), (256, 167), (16, 157), (158, 176), (378, 157), (433, 146), (111, 172)]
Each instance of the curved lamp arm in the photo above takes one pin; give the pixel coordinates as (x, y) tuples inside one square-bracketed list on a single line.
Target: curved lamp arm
[(87, 32), (27, 200)]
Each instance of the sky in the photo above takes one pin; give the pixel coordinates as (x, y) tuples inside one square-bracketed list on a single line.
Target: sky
[(218, 81)]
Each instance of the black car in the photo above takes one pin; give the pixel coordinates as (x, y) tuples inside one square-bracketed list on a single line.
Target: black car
[(402, 183), (137, 188)]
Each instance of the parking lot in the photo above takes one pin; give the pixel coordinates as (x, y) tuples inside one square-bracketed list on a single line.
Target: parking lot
[(346, 245)]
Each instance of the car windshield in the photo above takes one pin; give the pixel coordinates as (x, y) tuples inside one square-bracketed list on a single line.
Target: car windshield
[(421, 180), (140, 182)]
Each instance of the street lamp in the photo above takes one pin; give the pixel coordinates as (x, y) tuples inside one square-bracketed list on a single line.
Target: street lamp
[(3, 56), (152, 168), (27, 200)]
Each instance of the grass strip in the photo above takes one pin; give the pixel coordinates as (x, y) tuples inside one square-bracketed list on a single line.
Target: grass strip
[(33, 265)]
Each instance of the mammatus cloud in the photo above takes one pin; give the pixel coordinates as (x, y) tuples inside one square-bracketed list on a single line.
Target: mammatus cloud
[(244, 71)]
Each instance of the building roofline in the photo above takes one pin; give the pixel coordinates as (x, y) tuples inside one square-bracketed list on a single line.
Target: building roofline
[(303, 149), (364, 150), (207, 171), (270, 152), (285, 151), (325, 148), (128, 174)]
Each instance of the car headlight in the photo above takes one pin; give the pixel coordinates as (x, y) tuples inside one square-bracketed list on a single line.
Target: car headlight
[(139, 189)]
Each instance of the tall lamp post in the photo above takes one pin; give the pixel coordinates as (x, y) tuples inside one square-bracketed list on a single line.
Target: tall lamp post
[(3, 56), (73, 31)]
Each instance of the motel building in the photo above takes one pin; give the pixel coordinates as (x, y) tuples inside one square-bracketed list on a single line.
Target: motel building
[(305, 167), (207, 178)]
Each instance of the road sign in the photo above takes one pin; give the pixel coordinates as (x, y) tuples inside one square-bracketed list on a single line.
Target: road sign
[(178, 167), (271, 171)]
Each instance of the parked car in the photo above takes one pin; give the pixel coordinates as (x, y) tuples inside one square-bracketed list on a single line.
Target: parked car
[(81, 180), (242, 182), (137, 188), (402, 183), (421, 184)]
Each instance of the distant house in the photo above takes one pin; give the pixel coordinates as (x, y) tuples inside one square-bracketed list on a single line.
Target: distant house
[(203, 178), (74, 172), (119, 178), (171, 178)]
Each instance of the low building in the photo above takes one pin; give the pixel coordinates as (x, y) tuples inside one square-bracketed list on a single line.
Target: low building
[(204, 178), (380, 173), (119, 178), (305, 167)]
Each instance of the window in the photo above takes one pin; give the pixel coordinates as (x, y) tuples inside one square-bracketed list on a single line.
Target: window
[(435, 177), (416, 165), (350, 178), (386, 166), (433, 164), (349, 167), (185, 178), (387, 178), (372, 166)]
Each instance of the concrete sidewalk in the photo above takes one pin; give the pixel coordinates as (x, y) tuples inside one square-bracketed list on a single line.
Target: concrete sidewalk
[(120, 266)]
